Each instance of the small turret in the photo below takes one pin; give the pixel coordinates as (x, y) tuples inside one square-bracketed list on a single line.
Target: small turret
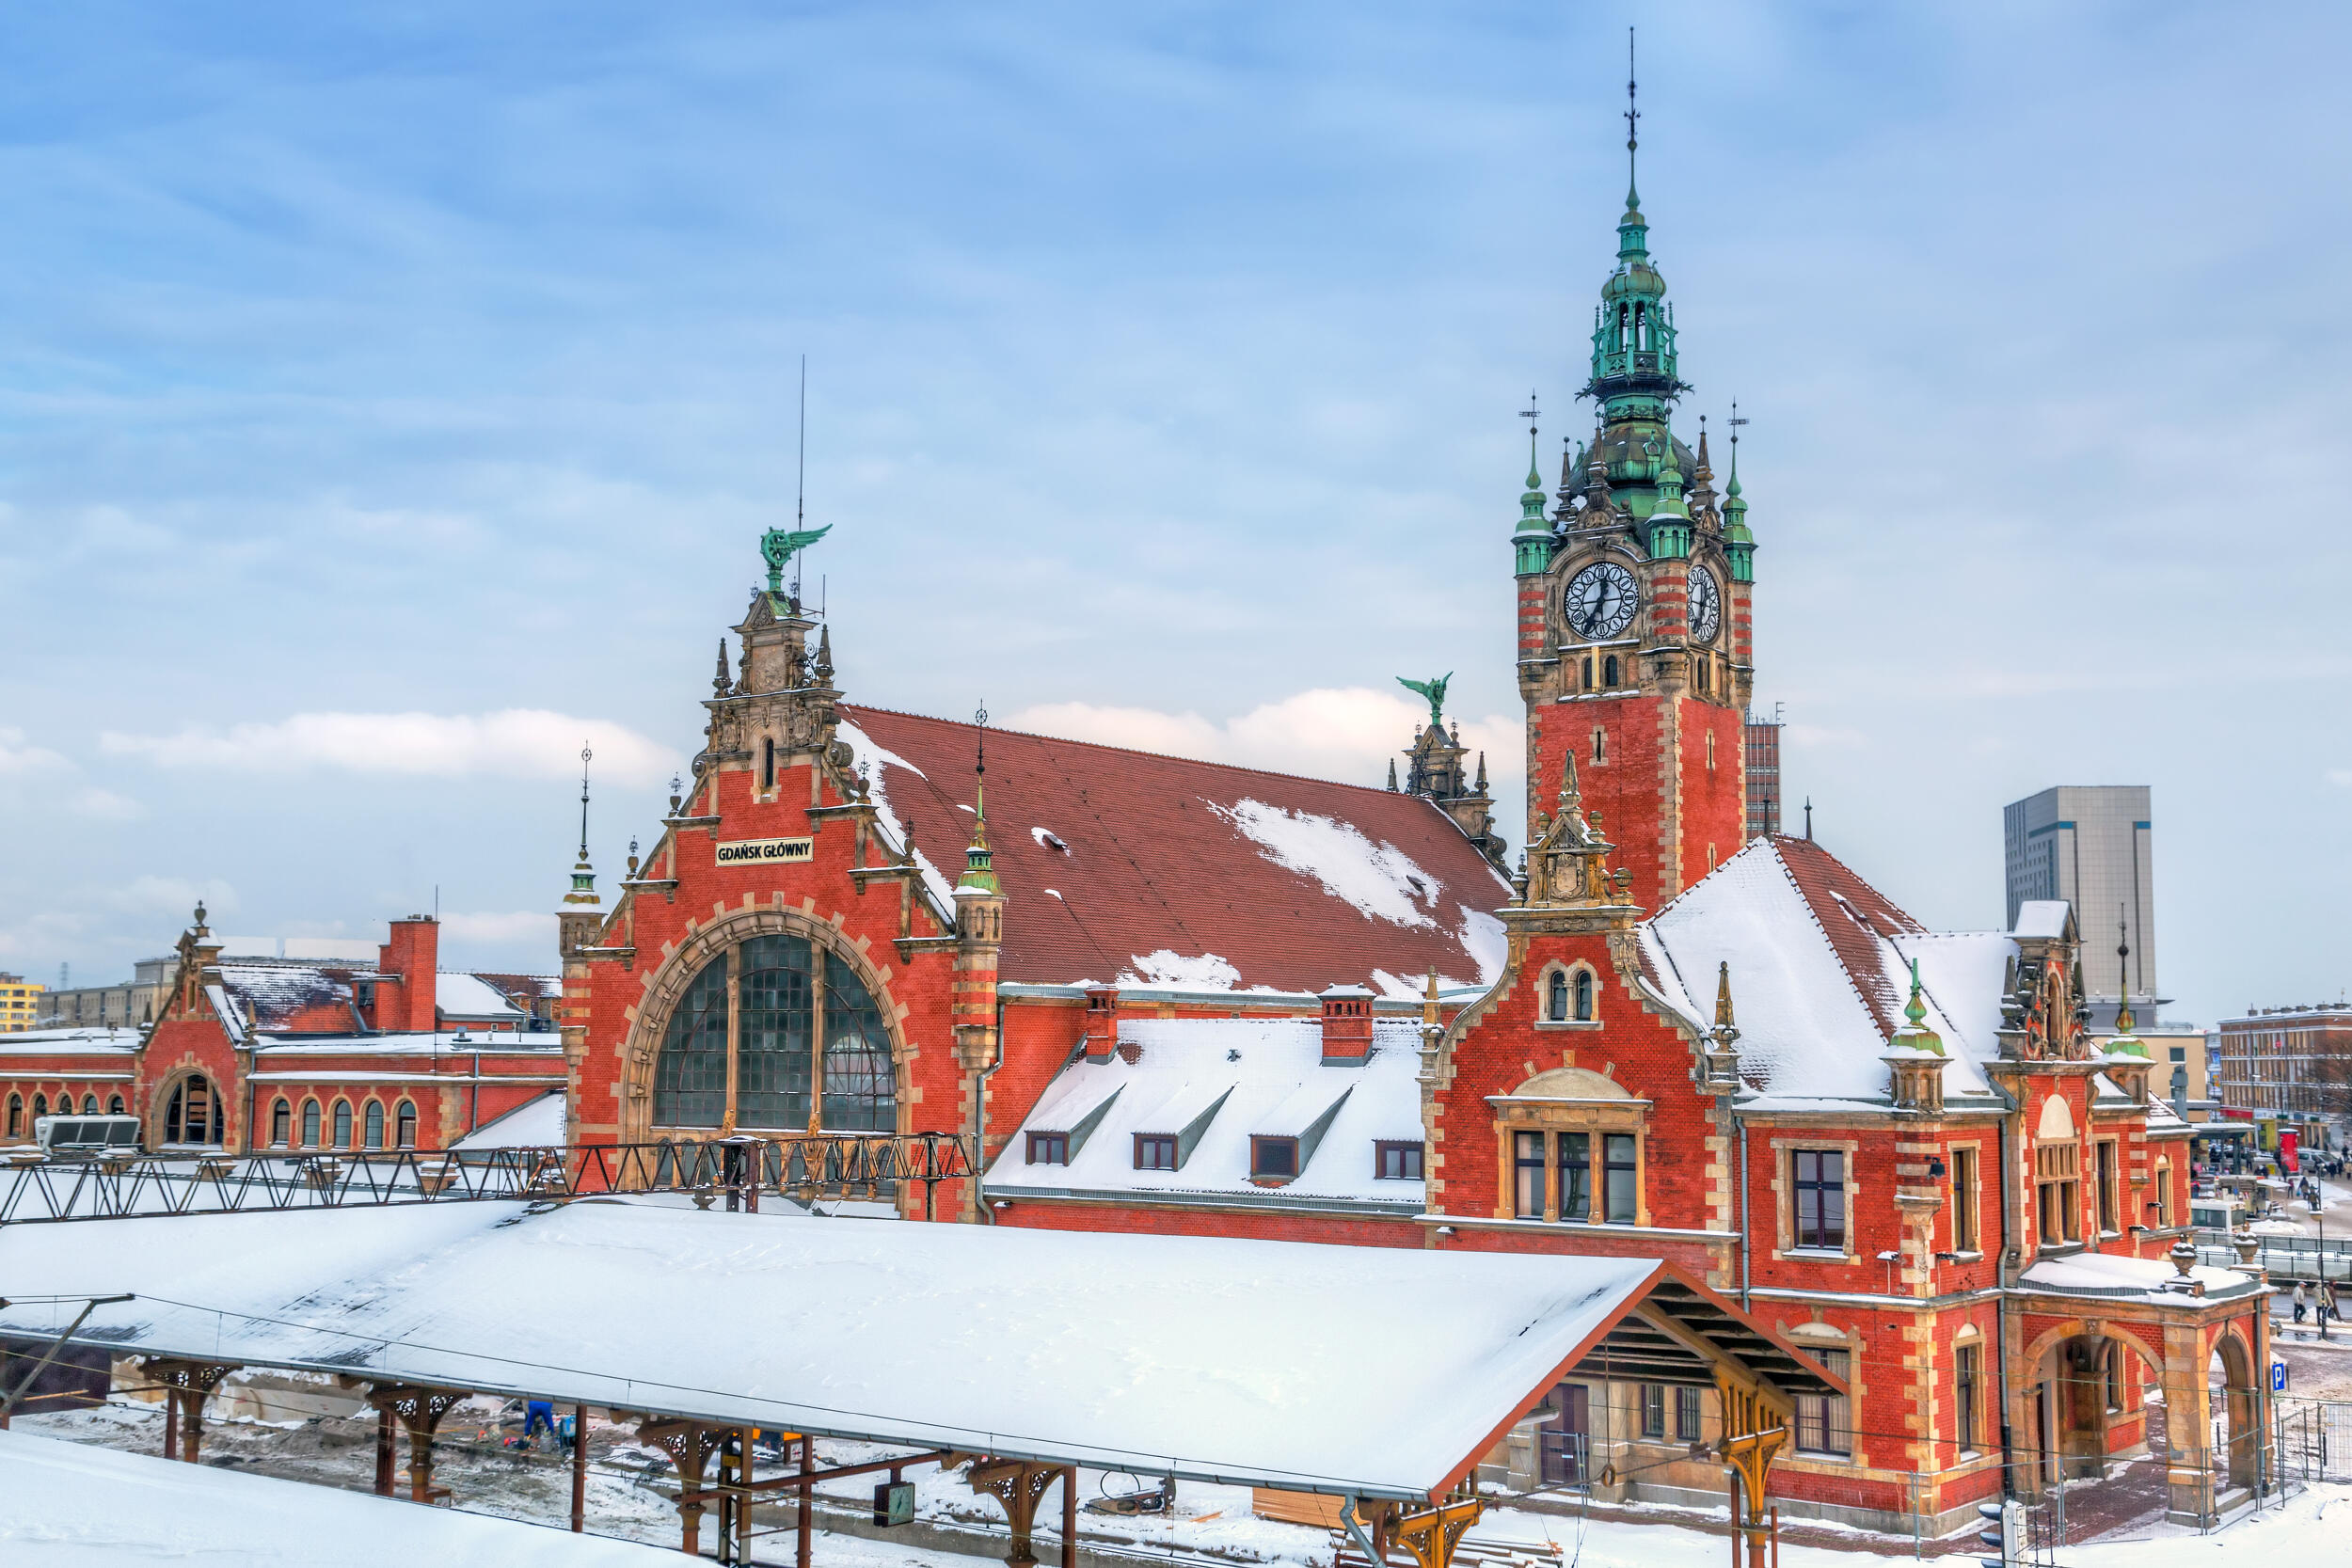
[(1914, 1057), (980, 930), (581, 916), (1669, 519), (1531, 543), (1738, 543)]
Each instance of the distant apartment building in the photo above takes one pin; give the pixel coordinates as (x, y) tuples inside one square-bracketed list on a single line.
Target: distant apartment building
[(2291, 1064), (129, 1006), (1760, 746), (2088, 845), (20, 1004)]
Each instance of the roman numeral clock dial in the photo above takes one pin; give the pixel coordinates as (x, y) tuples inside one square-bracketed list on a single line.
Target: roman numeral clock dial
[(1599, 600)]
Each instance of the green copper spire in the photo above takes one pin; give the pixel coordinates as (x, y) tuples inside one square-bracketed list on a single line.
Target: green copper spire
[(1531, 541), (1738, 543), (979, 872), (583, 875), (1915, 1034), (1669, 519)]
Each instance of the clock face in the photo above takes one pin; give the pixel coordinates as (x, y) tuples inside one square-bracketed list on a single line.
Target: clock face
[(1600, 600), (1707, 607)]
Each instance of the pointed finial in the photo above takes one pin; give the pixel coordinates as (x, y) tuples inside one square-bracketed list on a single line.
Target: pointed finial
[(1632, 128), (583, 875), (632, 858), (824, 655), (584, 755), (719, 684), (979, 874), (1429, 1000), (1481, 772), (2123, 1020), (1392, 775), (1723, 996), (200, 917), (1808, 819), (1915, 1009), (1570, 796), (678, 786), (1731, 486)]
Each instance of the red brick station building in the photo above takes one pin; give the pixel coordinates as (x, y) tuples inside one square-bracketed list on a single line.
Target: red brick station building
[(1175, 997)]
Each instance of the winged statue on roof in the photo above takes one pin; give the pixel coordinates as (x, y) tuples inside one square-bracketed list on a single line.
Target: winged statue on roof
[(780, 545), (1433, 690)]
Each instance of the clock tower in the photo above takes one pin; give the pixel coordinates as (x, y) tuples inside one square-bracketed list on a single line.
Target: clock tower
[(1634, 605)]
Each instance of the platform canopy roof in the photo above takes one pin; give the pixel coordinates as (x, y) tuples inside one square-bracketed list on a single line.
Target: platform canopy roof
[(1375, 1371), (74, 1503)]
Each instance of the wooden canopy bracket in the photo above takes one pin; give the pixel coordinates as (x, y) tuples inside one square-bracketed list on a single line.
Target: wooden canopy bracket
[(186, 1386), (420, 1409), (1432, 1533), (1756, 1429), (689, 1446), (1018, 1486)]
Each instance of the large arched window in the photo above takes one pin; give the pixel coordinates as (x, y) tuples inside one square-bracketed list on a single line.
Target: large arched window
[(809, 1051), (342, 1124), (310, 1124), (376, 1124), (16, 1116), (190, 1115), (90, 1104), (114, 1105), (404, 1125), (280, 1122)]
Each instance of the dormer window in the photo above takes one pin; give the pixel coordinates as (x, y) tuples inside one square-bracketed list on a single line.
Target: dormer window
[(1273, 1159), (1049, 1148), (1155, 1152), (1396, 1161)]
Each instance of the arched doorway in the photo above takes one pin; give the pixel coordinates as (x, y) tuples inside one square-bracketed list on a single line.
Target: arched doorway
[(2236, 1429), (192, 1112)]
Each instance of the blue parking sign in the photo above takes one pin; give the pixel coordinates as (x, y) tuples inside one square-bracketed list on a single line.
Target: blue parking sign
[(2277, 1377)]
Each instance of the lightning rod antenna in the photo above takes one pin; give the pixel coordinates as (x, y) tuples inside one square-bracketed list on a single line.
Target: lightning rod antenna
[(799, 497)]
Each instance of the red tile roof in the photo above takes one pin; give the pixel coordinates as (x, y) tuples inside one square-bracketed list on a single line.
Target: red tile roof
[(1146, 854), (1854, 916)]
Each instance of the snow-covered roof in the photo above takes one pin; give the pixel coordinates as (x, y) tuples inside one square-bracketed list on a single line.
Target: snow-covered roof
[(2044, 918), (273, 995), (1262, 1076), (2108, 1273), (1246, 1362), (1819, 974), (535, 1124), (447, 1042), (79, 1041), (471, 999), (1134, 869), (78, 1503)]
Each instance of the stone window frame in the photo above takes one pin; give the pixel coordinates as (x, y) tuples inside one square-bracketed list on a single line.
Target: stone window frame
[(2163, 1192), (1551, 1117), (1820, 1335), (1785, 1197), (1971, 1444), (666, 985), (1571, 968), (2107, 1188), (1971, 1245)]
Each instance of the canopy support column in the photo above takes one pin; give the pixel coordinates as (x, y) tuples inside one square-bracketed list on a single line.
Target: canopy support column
[(186, 1386), (1017, 1487), (579, 1468), (419, 1410), (1755, 1428), (689, 1446)]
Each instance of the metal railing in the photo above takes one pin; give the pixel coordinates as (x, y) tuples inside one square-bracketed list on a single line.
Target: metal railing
[(803, 1167)]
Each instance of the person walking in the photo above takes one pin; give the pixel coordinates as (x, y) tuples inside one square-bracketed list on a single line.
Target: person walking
[(2301, 1305)]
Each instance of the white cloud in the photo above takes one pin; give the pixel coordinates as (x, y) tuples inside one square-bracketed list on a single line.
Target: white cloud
[(515, 926), (18, 760), (175, 895), (1343, 733), (526, 743), (104, 805), (2340, 775)]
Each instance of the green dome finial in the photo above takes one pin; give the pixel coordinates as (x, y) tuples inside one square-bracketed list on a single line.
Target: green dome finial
[(1915, 1034)]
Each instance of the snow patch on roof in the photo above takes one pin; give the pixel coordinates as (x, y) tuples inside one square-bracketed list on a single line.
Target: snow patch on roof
[(1483, 937), (1380, 880), (876, 757), (1206, 972), (1047, 839), (272, 993), (535, 1124), (2042, 917), (471, 997)]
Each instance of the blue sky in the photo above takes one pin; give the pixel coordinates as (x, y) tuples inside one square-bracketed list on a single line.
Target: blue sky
[(390, 397)]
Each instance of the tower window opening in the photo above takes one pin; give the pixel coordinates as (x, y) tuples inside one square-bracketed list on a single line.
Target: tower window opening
[(766, 764), (1588, 674), (1585, 996), (1600, 746), (1558, 1008), (1710, 734), (1609, 671)]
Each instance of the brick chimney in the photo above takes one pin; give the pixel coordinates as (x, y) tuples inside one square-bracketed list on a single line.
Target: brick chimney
[(1346, 1027), (406, 1006), (1102, 1022)]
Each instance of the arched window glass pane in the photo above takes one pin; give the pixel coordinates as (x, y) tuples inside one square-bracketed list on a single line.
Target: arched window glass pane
[(772, 1080), (90, 1104), (861, 1093), (40, 1107), (114, 1105), (280, 1122), (310, 1124), (690, 1084), (406, 1127), (1584, 995), (342, 1124), (375, 1125), (1559, 997)]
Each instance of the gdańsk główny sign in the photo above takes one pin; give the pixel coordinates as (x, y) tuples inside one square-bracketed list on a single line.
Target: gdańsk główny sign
[(747, 851)]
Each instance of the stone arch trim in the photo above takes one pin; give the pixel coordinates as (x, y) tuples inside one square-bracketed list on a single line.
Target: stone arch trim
[(159, 1096), (2122, 1333), (665, 988)]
